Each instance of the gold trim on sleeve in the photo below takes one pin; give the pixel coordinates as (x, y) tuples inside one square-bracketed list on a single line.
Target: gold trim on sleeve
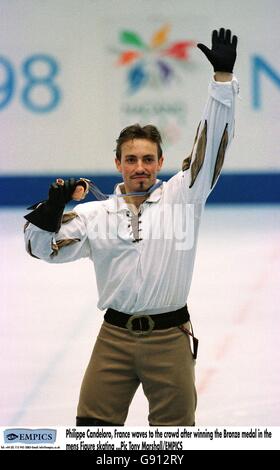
[(56, 246), (199, 154), (187, 161), (30, 250), (68, 216), (220, 156)]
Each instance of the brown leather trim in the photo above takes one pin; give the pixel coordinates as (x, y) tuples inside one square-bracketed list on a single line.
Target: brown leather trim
[(187, 161), (61, 243), (30, 250), (199, 154), (220, 156), (68, 216), (25, 226)]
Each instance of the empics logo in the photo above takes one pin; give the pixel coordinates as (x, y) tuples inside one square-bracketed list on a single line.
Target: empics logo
[(11, 436), (155, 64), (30, 436)]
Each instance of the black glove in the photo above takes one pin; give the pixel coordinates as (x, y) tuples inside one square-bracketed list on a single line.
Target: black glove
[(223, 53), (47, 215), (60, 194)]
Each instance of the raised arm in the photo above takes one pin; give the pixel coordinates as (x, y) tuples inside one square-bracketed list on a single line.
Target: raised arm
[(215, 131)]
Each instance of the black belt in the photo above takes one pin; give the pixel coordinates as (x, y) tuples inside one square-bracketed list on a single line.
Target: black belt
[(140, 325)]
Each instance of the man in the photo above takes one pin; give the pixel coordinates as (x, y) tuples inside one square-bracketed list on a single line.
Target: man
[(143, 276)]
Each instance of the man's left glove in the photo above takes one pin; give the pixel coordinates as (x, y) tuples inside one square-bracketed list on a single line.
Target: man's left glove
[(47, 215), (223, 53)]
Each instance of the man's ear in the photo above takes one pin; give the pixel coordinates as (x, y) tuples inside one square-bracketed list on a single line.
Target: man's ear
[(118, 165), (160, 162)]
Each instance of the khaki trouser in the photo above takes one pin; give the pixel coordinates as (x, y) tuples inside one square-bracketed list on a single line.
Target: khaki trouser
[(162, 362)]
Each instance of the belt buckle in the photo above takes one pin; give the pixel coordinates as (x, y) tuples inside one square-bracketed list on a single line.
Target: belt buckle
[(129, 325)]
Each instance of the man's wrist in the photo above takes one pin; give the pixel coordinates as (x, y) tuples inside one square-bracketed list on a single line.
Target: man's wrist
[(223, 76)]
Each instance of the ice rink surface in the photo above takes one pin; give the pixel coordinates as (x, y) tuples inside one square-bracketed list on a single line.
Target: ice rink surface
[(49, 322)]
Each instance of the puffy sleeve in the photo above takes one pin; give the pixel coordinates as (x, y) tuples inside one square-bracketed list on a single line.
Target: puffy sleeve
[(201, 169), (68, 244)]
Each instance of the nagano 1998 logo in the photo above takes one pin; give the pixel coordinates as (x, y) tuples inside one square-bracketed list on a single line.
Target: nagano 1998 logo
[(154, 64)]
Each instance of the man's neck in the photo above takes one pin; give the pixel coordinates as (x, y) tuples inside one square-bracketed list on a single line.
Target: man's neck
[(133, 200)]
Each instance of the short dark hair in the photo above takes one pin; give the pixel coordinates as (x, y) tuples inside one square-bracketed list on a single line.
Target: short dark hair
[(136, 131)]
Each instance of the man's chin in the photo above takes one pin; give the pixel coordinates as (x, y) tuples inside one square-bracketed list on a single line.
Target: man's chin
[(140, 188), (141, 185)]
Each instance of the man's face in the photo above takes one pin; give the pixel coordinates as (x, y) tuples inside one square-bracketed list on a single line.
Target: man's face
[(139, 164)]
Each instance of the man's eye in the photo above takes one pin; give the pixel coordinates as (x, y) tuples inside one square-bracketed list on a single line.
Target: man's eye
[(149, 159)]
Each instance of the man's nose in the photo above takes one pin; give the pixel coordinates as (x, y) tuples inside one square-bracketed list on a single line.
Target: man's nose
[(140, 166)]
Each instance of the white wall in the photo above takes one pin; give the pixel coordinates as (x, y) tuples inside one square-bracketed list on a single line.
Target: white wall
[(82, 37)]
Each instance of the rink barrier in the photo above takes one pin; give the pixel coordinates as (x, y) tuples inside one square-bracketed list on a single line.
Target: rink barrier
[(232, 188)]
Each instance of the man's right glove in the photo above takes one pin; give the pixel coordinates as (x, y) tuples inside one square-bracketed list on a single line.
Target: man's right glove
[(223, 53), (47, 215)]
